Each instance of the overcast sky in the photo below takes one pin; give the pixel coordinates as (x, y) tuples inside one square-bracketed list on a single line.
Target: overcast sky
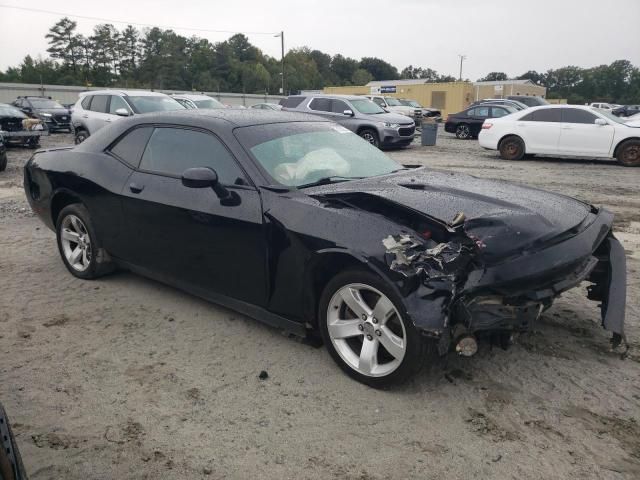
[(496, 35)]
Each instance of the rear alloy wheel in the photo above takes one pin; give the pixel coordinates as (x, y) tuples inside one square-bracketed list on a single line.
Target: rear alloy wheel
[(370, 136), (365, 332), (629, 153), (78, 244), (463, 132), (512, 148)]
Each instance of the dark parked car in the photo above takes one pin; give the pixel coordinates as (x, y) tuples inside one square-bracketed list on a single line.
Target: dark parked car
[(501, 101), (529, 100), (55, 116), (18, 129), (626, 110), (298, 222), (3, 155), (468, 123)]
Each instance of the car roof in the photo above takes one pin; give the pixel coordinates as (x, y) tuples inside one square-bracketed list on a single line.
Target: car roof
[(116, 91), (236, 116), (337, 95)]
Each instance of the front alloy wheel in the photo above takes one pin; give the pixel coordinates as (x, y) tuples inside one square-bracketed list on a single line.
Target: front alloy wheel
[(365, 332)]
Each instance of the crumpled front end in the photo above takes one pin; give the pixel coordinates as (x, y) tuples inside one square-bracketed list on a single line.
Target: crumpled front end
[(463, 287)]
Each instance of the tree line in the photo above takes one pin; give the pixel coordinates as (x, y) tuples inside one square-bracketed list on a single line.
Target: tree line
[(162, 59)]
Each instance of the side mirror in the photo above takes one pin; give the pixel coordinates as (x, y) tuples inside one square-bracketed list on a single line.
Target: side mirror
[(205, 177), (348, 113), (601, 121), (122, 112)]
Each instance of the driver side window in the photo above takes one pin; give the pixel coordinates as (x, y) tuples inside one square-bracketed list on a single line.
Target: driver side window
[(170, 151)]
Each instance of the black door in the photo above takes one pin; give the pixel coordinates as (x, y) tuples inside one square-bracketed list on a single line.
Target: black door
[(186, 234), (476, 117)]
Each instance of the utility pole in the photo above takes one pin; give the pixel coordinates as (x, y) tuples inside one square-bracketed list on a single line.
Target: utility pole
[(462, 58), (281, 35)]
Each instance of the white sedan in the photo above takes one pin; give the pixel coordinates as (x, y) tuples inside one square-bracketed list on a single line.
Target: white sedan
[(568, 130)]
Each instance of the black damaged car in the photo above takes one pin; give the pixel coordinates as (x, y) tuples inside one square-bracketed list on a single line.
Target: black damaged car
[(299, 223)]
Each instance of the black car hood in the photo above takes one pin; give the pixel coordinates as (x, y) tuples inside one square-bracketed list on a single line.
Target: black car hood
[(503, 218)]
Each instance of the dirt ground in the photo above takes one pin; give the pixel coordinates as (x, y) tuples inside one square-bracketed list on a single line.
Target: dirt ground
[(126, 378)]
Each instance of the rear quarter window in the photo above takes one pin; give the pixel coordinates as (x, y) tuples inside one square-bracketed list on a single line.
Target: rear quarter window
[(130, 147)]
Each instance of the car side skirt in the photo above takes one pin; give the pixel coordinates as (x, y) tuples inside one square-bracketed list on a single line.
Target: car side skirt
[(248, 309)]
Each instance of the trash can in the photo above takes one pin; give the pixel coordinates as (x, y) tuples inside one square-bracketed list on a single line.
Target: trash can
[(429, 133)]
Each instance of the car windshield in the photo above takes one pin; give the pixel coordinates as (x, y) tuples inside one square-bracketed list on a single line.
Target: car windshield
[(611, 116), (153, 103), (393, 102), (208, 103), (410, 103), (44, 103), (301, 153), (366, 106), (9, 111)]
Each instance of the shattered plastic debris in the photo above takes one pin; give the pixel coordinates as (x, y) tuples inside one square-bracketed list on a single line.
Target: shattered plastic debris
[(413, 256)]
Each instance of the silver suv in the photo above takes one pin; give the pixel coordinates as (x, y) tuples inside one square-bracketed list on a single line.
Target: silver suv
[(94, 110), (358, 114)]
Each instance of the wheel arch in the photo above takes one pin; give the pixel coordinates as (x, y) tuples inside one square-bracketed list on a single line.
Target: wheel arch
[(61, 199), (622, 142), (507, 135), (325, 265)]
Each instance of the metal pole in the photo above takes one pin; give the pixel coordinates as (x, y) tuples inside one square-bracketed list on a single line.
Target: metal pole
[(282, 45), (462, 57)]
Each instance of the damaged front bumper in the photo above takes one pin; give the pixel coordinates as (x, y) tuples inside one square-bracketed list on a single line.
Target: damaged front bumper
[(509, 296)]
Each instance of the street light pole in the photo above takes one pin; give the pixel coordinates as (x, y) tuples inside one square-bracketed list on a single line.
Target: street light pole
[(281, 35), (462, 58)]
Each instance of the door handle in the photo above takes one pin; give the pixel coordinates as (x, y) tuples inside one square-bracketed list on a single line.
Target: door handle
[(566, 128), (85, 116), (522, 124), (108, 120), (135, 188)]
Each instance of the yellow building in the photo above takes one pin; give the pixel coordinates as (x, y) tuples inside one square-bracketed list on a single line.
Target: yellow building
[(505, 88), (449, 97)]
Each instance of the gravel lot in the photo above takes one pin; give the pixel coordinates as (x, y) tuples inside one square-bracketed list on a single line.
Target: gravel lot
[(126, 378)]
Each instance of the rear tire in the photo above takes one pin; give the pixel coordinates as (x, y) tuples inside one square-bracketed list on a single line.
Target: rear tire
[(78, 244), (629, 153), (370, 136), (380, 349), (512, 148), (463, 131)]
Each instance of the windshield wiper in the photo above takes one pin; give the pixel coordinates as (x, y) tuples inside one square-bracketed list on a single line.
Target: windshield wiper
[(328, 180)]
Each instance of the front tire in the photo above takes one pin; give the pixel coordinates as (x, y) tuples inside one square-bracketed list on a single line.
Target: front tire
[(81, 136), (78, 244), (366, 330), (3, 161), (512, 148), (629, 153), (370, 136)]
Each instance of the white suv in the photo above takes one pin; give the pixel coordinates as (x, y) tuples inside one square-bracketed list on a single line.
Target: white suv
[(95, 109)]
